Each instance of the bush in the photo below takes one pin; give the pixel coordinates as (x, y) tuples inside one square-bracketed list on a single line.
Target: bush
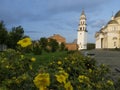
[(74, 72), (15, 71), (37, 50)]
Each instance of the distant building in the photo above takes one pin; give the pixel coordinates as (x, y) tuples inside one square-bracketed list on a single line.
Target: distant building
[(108, 36), (82, 32), (58, 38), (71, 46)]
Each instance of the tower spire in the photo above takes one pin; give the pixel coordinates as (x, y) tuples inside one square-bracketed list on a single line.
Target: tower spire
[(83, 13)]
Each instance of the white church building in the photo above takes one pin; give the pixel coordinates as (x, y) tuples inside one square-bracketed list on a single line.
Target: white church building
[(108, 37), (82, 32)]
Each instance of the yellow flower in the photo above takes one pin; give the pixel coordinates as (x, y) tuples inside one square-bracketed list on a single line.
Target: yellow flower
[(64, 73), (69, 68), (42, 80), (73, 62), (22, 56), (65, 58), (90, 70), (17, 81), (68, 86), (59, 62), (24, 76), (98, 85), (30, 66), (109, 82), (83, 79), (7, 66), (33, 59), (61, 78), (60, 68), (24, 42)]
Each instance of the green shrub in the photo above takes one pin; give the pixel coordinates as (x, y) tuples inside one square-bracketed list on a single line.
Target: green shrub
[(74, 72), (15, 71), (37, 50)]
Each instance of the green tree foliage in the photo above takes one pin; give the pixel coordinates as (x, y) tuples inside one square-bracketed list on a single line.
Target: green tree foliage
[(37, 50), (3, 33), (43, 43), (62, 46), (15, 35), (53, 45)]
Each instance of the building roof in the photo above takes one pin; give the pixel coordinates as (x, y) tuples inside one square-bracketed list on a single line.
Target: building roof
[(112, 22), (56, 35), (117, 14), (83, 16)]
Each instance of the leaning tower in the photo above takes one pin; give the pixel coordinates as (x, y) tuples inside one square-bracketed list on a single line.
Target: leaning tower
[(82, 32)]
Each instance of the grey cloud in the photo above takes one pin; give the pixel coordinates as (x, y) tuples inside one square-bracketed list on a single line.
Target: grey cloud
[(97, 23), (39, 10)]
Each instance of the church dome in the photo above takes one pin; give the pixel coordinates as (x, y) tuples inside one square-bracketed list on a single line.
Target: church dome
[(112, 22), (117, 14)]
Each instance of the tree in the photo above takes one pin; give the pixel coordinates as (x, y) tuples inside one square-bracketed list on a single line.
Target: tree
[(43, 43), (62, 46), (3, 33), (53, 45), (15, 35)]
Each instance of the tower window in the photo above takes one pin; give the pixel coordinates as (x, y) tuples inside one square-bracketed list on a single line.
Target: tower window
[(80, 28)]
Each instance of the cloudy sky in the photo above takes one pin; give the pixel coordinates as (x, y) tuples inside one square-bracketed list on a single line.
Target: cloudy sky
[(43, 18)]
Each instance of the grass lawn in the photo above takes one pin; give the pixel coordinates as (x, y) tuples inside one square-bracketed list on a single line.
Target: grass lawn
[(46, 58)]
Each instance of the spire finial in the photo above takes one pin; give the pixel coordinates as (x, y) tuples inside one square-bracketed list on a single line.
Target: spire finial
[(83, 13), (112, 18)]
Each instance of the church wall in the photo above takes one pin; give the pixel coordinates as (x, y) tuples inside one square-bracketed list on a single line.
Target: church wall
[(98, 42), (106, 42)]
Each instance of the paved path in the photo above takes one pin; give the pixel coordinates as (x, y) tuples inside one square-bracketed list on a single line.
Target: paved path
[(110, 58)]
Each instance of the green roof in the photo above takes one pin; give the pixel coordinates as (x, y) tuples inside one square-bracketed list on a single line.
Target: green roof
[(112, 22), (117, 14)]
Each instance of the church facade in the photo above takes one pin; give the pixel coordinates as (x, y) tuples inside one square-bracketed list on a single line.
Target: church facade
[(108, 37)]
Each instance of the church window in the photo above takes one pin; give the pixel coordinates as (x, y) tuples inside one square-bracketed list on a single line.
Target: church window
[(113, 28), (114, 38), (114, 43)]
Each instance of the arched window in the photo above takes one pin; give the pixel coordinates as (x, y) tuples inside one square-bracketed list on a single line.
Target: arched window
[(115, 44), (114, 38), (80, 28)]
